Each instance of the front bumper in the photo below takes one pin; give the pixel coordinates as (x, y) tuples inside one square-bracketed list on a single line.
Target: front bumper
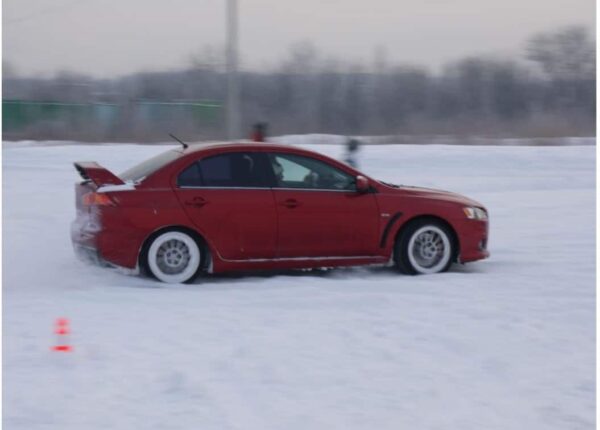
[(473, 239)]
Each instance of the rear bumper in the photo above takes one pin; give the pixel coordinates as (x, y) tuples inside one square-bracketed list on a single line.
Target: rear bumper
[(473, 239), (88, 254), (84, 231), (106, 247), (84, 239)]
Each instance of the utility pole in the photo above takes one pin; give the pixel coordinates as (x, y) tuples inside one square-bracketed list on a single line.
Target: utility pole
[(233, 87)]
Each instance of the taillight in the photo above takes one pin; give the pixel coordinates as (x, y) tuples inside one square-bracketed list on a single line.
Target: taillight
[(96, 199)]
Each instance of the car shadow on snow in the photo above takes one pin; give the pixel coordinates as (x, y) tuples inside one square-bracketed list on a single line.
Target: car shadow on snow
[(340, 274), (337, 275)]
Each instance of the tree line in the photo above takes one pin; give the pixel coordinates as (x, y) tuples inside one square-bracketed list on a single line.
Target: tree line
[(549, 90)]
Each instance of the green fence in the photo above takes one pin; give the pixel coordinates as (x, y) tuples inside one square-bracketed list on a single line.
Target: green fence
[(20, 116)]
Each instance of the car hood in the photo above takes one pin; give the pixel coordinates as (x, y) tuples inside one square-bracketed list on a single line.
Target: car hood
[(430, 193)]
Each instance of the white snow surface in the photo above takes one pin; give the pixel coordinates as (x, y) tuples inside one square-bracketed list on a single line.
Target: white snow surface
[(506, 343)]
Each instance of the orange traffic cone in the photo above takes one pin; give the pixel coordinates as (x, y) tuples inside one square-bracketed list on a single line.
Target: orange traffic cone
[(61, 328)]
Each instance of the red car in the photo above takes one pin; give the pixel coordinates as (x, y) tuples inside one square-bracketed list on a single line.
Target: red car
[(235, 207)]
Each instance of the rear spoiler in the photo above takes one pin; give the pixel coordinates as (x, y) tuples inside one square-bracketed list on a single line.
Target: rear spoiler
[(92, 171)]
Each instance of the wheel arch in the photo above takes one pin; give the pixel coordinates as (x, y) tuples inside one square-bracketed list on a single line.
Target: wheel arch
[(438, 219)]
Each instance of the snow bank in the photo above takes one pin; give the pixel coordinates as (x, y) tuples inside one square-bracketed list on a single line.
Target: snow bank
[(506, 343)]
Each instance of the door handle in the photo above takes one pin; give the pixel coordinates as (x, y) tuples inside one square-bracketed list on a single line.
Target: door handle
[(196, 202), (291, 203)]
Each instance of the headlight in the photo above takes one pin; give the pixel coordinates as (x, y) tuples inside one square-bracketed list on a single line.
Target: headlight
[(475, 213)]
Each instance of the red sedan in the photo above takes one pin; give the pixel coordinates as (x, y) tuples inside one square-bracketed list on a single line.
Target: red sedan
[(231, 207)]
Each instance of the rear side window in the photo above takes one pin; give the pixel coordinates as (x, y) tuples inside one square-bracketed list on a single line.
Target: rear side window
[(190, 177), (235, 170), (228, 170), (146, 168)]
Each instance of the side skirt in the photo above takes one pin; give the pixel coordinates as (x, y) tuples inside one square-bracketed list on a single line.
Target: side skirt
[(224, 265)]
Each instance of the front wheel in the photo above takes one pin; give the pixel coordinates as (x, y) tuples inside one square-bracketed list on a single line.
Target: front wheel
[(424, 247), (173, 257)]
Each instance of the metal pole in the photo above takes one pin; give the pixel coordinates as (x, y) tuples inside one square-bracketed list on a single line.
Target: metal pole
[(233, 88)]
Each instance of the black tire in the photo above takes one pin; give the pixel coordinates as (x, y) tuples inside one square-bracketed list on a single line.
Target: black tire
[(407, 263)]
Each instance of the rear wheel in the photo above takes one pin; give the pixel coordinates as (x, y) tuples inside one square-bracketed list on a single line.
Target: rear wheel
[(423, 247), (173, 257)]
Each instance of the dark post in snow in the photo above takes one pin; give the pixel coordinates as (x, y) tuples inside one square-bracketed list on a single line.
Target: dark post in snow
[(352, 147), (233, 89), (259, 132)]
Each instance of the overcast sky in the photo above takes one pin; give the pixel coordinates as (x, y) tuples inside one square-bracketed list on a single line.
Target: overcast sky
[(115, 37)]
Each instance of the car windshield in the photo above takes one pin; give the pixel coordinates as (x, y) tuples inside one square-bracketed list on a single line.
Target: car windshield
[(146, 168)]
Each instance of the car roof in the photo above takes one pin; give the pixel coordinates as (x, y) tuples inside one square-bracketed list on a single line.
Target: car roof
[(243, 145)]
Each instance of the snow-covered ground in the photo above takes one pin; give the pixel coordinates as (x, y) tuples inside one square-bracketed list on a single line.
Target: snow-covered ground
[(507, 343)]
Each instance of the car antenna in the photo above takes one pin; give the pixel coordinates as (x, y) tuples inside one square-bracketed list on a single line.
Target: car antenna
[(185, 145)]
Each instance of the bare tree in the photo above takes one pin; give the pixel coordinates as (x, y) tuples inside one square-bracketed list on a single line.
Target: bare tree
[(567, 57), (567, 54)]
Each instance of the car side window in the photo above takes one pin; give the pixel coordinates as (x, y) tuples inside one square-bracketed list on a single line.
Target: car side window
[(230, 170), (298, 171), (190, 177)]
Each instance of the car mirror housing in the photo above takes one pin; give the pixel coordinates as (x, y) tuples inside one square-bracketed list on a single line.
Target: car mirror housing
[(362, 184)]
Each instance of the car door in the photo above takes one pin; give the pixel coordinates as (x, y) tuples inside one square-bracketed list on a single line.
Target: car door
[(319, 211), (228, 198)]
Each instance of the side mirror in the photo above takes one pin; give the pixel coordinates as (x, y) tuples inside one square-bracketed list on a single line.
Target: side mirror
[(362, 184)]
